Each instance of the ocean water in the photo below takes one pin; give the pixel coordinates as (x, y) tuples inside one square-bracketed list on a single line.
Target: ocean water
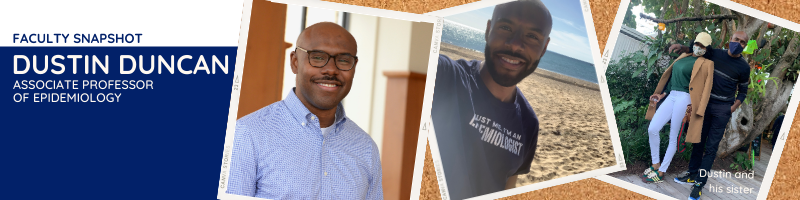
[(472, 38)]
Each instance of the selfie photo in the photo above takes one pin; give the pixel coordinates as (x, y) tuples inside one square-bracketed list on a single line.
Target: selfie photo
[(516, 99)]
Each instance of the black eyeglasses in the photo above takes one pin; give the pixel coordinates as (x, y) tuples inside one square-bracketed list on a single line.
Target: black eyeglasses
[(319, 59)]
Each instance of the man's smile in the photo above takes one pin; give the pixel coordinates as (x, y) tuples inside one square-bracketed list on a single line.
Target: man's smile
[(510, 62), (328, 85)]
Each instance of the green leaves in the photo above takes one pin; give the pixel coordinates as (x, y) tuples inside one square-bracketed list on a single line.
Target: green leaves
[(652, 59), (762, 56), (714, 36), (740, 160), (712, 27), (620, 105), (638, 71), (757, 86), (649, 61), (629, 91), (774, 41), (630, 19), (793, 72), (638, 57)]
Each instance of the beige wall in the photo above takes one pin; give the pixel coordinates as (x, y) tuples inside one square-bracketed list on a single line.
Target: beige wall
[(359, 101)]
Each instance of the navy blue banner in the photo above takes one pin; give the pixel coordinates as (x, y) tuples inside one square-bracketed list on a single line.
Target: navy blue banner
[(164, 141)]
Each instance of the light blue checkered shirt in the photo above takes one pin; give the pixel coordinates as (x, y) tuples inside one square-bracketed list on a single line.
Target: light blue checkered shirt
[(279, 152)]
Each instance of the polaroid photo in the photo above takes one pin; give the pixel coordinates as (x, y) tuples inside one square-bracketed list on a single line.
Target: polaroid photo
[(699, 93), (499, 125), (326, 101)]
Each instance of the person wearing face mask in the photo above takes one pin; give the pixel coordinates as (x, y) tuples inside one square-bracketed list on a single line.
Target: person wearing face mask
[(731, 78), (688, 82)]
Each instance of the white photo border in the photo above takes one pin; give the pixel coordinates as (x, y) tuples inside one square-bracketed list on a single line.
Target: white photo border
[(772, 166), (425, 122), (238, 72), (441, 177)]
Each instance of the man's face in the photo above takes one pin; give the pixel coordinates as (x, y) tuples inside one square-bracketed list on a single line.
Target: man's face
[(516, 38), (323, 87), (739, 37)]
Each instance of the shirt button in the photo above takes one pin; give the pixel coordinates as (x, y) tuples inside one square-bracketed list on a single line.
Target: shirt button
[(326, 173), (304, 124), (312, 117)]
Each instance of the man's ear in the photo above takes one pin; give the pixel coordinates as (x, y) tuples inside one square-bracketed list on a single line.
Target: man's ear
[(544, 50), (354, 67), (293, 61), (488, 28)]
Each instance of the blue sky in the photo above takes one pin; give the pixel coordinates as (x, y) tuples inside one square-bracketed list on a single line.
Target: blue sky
[(568, 36)]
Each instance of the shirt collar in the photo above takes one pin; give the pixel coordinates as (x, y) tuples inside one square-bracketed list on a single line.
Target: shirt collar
[(301, 113)]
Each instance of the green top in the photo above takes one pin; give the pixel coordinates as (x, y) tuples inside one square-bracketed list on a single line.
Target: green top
[(682, 74)]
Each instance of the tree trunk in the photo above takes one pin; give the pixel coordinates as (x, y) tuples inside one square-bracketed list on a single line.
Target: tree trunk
[(737, 131), (749, 24), (727, 28), (681, 10), (761, 32), (776, 32), (768, 45), (759, 116)]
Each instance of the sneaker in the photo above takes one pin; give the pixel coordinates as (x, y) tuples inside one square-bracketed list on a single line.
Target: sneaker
[(697, 190), (647, 171), (653, 177), (688, 178)]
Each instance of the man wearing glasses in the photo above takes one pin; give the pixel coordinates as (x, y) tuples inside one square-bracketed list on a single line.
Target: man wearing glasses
[(305, 147), (486, 129)]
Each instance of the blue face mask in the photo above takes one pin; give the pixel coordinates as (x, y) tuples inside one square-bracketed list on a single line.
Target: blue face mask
[(735, 48)]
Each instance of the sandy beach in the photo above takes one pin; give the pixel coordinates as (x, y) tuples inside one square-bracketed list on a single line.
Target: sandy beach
[(573, 136)]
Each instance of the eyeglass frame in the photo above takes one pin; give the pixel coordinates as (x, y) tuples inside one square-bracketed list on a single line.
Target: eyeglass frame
[(329, 58)]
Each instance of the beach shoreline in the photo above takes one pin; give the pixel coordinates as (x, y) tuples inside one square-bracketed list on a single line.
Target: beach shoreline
[(469, 54), (573, 130)]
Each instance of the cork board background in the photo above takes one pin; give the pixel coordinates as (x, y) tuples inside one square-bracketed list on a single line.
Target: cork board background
[(784, 186)]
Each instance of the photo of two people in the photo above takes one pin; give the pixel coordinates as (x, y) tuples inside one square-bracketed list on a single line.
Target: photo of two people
[(695, 94)]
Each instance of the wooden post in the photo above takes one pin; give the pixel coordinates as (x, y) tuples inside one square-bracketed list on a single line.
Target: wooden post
[(262, 80), (404, 96)]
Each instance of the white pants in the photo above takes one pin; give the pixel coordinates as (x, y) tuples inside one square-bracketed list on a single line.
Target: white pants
[(673, 109)]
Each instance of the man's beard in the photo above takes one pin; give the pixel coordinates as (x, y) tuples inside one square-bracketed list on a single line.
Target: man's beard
[(507, 80)]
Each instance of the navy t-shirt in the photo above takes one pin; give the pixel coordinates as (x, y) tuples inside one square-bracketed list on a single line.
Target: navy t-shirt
[(730, 75), (482, 140)]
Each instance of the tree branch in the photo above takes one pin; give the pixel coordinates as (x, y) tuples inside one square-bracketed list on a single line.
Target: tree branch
[(700, 18)]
